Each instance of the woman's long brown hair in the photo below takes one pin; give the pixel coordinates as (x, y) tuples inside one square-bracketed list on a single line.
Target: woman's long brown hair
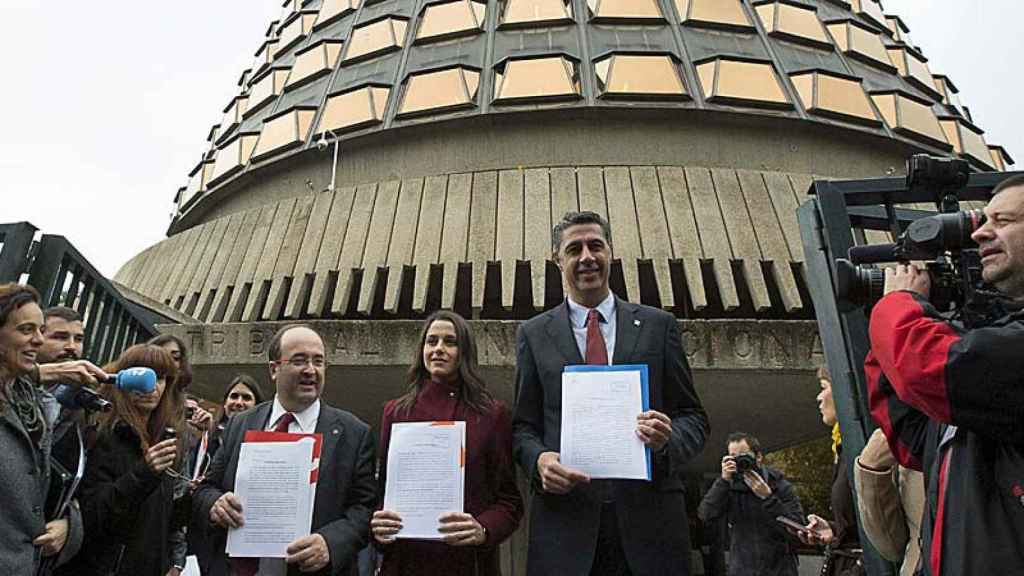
[(472, 388), (169, 412)]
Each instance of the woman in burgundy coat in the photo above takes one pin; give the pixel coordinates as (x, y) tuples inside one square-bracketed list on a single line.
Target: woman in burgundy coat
[(444, 384)]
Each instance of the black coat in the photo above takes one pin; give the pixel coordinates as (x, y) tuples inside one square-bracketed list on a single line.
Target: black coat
[(759, 545), (127, 510)]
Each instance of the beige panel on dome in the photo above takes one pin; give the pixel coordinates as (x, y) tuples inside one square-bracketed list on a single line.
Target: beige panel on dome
[(428, 237), (482, 231), (742, 236), (440, 90), (625, 231), (536, 78), (287, 258), (330, 249), (653, 229), (861, 43), (376, 38), (233, 113), (792, 22), (975, 146), (284, 131), (331, 10), (631, 74), (451, 18), (375, 253), (535, 11), (314, 62), (714, 240), (262, 277), (234, 155), (194, 292), (265, 55), (871, 10), (254, 252), (683, 231), (231, 267), (403, 240), (353, 247), (909, 116), (537, 230), (508, 245), (306, 261), (267, 87), (950, 128), (455, 235), (350, 110), (737, 80), (625, 9), (999, 158), (774, 250), (294, 31), (727, 13)]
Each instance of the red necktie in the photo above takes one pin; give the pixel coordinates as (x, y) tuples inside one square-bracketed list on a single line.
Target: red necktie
[(249, 566), (597, 353)]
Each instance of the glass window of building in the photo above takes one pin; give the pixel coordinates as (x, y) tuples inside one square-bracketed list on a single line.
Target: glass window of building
[(796, 23), (966, 140), (1000, 157), (714, 13), (536, 12), (314, 62), (233, 113), (354, 109), (332, 10), (284, 131), (900, 31), (746, 82), (639, 76), (233, 156), (914, 69), (450, 19), (860, 42), (545, 78), (266, 87), (834, 95), (870, 10), (265, 55), (910, 116), (440, 90), (294, 30), (625, 10), (376, 38)]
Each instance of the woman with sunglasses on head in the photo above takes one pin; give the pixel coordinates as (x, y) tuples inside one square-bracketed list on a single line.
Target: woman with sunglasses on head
[(445, 385), (27, 417), (130, 481)]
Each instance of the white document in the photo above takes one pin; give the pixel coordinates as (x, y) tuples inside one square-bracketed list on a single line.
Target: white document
[(599, 411), (273, 485), (426, 475)]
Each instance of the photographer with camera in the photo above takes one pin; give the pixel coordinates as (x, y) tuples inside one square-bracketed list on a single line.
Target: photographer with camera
[(749, 496), (951, 403)]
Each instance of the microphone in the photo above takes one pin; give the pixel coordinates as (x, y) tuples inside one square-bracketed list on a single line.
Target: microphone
[(81, 398), (875, 253), (138, 380)]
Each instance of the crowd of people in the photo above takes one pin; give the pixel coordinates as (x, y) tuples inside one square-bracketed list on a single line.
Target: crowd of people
[(161, 473)]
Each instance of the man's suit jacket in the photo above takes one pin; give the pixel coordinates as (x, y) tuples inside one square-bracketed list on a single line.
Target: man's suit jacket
[(346, 492), (652, 515)]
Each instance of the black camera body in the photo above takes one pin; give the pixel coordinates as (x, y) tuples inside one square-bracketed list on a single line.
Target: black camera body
[(745, 462)]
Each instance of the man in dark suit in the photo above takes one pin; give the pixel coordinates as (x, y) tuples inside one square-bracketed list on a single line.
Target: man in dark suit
[(607, 527), (345, 490)]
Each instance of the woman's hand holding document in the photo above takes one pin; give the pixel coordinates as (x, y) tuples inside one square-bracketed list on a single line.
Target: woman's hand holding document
[(600, 408)]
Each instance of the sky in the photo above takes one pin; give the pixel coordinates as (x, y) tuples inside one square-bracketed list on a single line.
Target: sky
[(106, 108)]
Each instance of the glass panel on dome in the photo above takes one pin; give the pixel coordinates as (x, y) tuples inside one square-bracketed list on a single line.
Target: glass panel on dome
[(332, 10), (861, 43), (314, 62), (376, 38), (294, 31), (519, 12), (908, 116), (267, 87), (715, 13), (440, 90), (284, 131), (794, 23), (233, 155), (831, 95), (625, 9), (741, 81), (870, 10), (354, 109), (640, 76), (543, 78), (451, 18)]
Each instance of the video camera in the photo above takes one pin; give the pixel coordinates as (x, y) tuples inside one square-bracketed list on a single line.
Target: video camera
[(943, 241)]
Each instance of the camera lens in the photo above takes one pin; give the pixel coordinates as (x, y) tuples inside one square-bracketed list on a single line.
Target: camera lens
[(858, 285)]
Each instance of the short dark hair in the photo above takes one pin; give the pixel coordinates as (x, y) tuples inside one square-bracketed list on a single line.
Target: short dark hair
[(274, 351), (1011, 182), (750, 439), (576, 218), (62, 312)]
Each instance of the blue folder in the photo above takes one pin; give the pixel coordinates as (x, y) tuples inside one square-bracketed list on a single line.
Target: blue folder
[(645, 392)]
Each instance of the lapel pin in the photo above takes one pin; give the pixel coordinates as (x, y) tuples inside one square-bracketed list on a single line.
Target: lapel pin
[(335, 432), (636, 323)]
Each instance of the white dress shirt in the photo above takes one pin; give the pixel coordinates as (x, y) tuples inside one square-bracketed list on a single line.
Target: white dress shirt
[(304, 423), (578, 319)]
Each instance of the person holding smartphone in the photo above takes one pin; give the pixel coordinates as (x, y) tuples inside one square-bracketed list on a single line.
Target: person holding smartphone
[(749, 496)]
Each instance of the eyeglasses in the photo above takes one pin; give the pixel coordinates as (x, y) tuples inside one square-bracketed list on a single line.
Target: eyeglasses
[(300, 361), (240, 396)]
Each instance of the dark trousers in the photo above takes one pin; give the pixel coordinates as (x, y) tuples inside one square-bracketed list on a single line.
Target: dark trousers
[(609, 559)]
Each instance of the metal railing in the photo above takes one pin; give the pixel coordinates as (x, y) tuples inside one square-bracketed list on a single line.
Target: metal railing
[(64, 277)]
